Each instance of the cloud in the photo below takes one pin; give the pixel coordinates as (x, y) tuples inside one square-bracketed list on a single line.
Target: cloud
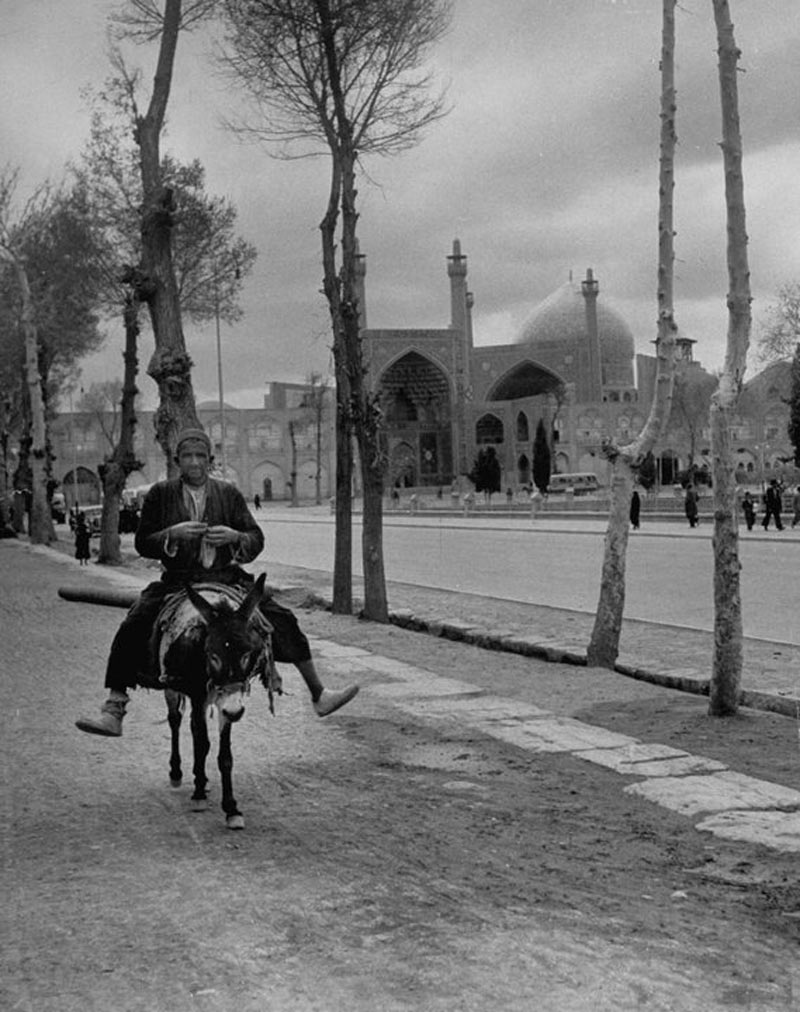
[(547, 163)]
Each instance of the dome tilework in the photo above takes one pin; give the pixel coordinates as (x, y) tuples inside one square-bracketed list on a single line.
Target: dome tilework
[(561, 320)]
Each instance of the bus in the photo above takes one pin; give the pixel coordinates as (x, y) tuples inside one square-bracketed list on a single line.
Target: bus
[(579, 483)]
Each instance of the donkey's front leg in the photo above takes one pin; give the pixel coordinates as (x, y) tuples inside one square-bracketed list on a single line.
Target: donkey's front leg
[(233, 817), (174, 717), (201, 747)]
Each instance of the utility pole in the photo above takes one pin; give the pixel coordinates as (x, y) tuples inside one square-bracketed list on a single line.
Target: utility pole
[(224, 461)]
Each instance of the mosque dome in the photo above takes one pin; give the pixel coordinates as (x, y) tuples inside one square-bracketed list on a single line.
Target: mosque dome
[(560, 323)]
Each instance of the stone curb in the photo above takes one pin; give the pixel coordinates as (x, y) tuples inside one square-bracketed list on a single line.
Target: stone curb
[(542, 648)]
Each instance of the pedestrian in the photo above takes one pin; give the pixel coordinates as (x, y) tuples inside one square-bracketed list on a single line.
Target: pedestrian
[(636, 505), (772, 506), (749, 510), (536, 501), (257, 501), (796, 506), (201, 530), (82, 540), (690, 505)]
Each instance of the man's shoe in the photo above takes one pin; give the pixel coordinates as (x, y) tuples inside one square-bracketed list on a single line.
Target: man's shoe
[(329, 701), (109, 723)]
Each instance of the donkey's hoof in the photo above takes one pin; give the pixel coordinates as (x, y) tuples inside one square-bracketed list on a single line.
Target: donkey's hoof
[(175, 781), (199, 804), (234, 821)]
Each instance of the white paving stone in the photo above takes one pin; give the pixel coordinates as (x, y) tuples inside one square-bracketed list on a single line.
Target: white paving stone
[(327, 648), (678, 765), (398, 669), (474, 709), (559, 734), (418, 689), (779, 830), (716, 792)]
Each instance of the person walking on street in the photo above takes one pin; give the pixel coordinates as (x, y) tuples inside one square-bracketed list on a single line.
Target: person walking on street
[(636, 505), (690, 505), (796, 506), (200, 529), (82, 540), (257, 501), (772, 505), (749, 510)]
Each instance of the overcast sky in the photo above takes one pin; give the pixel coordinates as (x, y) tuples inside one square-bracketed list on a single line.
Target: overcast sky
[(548, 163)]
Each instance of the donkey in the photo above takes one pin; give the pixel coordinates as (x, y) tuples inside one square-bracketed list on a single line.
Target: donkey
[(209, 651)]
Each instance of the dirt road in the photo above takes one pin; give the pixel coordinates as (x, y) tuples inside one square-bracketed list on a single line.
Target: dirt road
[(388, 864)]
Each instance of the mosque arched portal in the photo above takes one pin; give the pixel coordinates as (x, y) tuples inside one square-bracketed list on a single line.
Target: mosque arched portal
[(526, 379), (417, 409)]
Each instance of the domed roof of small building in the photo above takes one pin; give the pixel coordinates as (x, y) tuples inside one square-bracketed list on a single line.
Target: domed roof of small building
[(561, 319)]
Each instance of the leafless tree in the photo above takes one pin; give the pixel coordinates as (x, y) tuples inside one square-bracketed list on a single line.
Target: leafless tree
[(342, 78), (727, 664), (691, 401), (603, 648), (154, 277), (315, 402), (12, 235), (780, 332)]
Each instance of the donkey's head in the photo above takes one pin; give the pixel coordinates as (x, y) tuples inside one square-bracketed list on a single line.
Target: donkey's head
[(232, 648)]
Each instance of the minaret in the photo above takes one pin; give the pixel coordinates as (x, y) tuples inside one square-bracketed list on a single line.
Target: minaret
[(457, 269), (461, 323), (593, 384), (360, 288)]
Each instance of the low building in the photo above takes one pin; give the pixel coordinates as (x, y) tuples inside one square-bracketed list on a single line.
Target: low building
[(256, 451)]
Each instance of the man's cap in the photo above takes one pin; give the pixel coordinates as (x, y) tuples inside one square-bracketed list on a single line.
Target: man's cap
[(195, 434)]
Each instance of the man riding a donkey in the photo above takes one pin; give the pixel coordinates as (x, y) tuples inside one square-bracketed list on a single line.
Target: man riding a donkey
[(201, 531)]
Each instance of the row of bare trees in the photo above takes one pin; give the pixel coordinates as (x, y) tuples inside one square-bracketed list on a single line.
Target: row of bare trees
[(604, 645), (344, 79)]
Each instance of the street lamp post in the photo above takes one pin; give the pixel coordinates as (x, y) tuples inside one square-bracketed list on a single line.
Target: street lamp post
[(223, 462), (75, 494)]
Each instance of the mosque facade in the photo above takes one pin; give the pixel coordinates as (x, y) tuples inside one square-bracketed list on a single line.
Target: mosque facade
[(573, 365)]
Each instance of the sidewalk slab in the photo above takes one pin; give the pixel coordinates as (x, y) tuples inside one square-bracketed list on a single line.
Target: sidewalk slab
[(717, 792)]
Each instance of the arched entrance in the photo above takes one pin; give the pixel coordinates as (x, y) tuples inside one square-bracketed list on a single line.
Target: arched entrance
[(523, 470), (403, 466), (668, 467), (87, 490), (415, 397), (270, 479)]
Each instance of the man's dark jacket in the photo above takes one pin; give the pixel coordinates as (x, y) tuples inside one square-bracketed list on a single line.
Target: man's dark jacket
[(164, 506)]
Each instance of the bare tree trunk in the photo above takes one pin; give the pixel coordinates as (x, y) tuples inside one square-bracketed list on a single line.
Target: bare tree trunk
[(122, 461), (5, 504), (319, 406), (342, 603), (293, 471), (366, 418), (170, 365), (727, 666), (41, 529), (603, 648)]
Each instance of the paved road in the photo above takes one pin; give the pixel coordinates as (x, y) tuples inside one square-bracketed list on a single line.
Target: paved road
[(558, 563), (439, 846)]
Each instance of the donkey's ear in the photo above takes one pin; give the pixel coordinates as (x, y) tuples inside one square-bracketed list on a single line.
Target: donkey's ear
[(248, 606), (205, 609)]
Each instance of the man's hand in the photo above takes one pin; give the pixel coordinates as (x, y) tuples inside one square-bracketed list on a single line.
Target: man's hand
[(222, 535), (188, 530)]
